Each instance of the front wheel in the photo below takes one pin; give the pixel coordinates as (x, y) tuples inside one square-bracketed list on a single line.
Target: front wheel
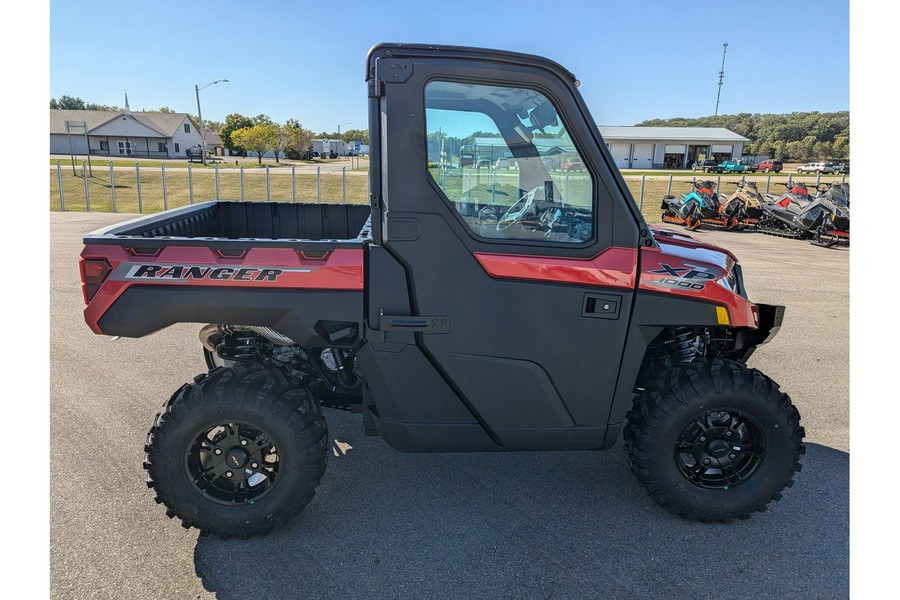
[(714, 441), (238, 452)]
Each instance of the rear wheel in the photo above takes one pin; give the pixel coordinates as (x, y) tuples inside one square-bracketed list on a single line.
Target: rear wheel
[(714, 441), (238, 452)]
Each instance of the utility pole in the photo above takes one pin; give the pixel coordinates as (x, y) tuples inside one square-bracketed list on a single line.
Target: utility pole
[(721, 76), (197, 89), (339, 135)]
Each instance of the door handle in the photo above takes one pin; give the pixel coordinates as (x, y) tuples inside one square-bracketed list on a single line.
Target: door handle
[(597, 306)]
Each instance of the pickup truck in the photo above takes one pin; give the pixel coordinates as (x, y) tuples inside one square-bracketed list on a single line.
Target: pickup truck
[(531, 316), (733, 166)]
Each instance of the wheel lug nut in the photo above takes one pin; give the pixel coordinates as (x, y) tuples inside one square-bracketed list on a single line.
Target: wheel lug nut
[(228, 474), (243, 442), (732, 456), (706, 461), (727, 434), (218, 451), (253, 465), (702, 439)]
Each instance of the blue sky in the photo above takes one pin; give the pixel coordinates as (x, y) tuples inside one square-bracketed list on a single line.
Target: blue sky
[(305, 60)]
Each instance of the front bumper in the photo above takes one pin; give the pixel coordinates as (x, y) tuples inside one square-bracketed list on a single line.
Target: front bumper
[(770, 318)]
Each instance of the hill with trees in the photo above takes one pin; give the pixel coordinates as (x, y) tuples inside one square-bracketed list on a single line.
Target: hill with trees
[(797, 136)]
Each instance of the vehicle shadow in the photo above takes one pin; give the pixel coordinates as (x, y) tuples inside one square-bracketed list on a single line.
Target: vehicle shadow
[(530, 525)]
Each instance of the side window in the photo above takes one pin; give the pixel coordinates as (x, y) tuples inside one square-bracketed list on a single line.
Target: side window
[(187, 128), (506, 163)]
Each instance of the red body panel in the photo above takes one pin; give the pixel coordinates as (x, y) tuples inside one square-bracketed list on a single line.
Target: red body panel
[(679, 261), (691, 271), (614, 267), (273, 268)]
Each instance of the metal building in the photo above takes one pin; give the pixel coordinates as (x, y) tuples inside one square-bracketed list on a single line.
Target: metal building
[(670, 147)]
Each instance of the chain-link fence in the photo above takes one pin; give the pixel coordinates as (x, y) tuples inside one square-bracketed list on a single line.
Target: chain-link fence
[(147, 190)]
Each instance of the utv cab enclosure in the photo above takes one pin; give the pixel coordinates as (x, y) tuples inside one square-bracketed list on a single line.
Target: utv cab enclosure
[(462, 310)]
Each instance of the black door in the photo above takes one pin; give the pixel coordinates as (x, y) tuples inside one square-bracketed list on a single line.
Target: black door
[(519, 250)]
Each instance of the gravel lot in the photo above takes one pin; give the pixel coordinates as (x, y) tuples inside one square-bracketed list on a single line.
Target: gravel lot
[(391, 525)]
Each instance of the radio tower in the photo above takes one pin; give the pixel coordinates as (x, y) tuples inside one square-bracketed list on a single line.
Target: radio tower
[(721, 76)]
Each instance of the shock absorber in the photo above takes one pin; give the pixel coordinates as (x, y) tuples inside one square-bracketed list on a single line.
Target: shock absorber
[(682, 345), (241, 345), (687, 345)]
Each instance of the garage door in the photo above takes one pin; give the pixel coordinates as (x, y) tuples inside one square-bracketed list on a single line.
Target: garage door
[(643, 156), (620, 153)]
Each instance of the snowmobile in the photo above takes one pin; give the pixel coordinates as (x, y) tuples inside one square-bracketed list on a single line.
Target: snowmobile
[(701, 205), (745, 203), (796, 193), (823, 219)]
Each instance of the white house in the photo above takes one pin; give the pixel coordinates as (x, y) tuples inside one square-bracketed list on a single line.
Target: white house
[(122, 133)]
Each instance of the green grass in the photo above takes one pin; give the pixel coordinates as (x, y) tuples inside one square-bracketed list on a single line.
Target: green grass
[(475, 185), (181, 190)]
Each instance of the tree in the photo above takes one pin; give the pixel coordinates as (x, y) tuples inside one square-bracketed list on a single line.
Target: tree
[(823, 150), (841, 147), (795, 151), (280, 139), (258, 138), (781, 153), (164, 109), (299, 139), (72, 103), (356, 135), (262, 119), (806, 128), (106, 107), (68, 103), (208, 125), (809, 147), (233, 122)]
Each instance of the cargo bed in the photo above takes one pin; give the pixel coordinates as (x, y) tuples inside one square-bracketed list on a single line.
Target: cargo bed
[(294, 267), (253, 223)]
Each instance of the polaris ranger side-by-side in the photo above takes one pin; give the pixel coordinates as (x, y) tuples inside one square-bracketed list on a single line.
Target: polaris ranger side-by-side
[(462, 310)]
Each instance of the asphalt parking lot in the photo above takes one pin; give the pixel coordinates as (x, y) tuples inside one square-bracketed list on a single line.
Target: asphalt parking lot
[(390, 525)]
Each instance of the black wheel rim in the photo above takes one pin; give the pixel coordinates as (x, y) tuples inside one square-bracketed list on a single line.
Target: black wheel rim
[(719, 450), (234, 464)]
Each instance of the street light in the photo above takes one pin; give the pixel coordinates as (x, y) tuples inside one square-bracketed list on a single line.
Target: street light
[(339, 131), (200, 117)]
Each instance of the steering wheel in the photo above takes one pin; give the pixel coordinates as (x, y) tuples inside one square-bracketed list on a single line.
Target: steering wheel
[(514, 214)]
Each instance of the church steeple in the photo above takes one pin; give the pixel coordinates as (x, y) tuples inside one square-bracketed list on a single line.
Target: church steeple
[(127, 108)]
